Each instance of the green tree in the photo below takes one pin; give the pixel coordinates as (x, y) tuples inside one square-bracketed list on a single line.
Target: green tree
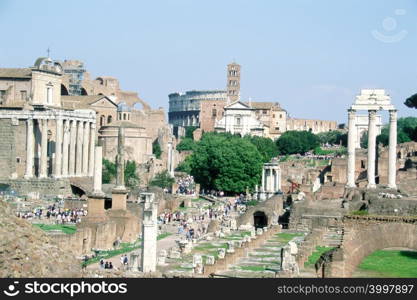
[(184, 166), (292, 142), (186, 144), (226, 162), (189, 131), (131, 177), (163, 180), (109, 171), (330, 137), (406, 132), (265, 146), (156, 149), (411, 101)]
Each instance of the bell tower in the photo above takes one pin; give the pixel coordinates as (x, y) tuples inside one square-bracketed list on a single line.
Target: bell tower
[(233, 81)]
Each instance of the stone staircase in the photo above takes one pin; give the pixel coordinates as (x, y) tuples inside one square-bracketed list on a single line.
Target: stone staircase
[(263, 261), (333, 236)]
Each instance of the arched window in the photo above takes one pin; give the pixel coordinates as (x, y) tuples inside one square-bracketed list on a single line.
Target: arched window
[(109, 119), (102, 120)]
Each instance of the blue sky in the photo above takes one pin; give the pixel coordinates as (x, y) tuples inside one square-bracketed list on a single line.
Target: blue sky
[(311, 56)]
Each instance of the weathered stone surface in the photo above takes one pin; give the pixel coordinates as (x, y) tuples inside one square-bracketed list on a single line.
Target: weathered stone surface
[(26, 251)]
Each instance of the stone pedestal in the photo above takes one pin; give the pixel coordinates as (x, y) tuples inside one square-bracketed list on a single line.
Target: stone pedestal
[(119, 197), (95, 208)]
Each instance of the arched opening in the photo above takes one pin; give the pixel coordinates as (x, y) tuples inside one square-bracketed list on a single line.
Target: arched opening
[(109, 119), (64, 90), (102, 120), (83, 92), (260, 220)]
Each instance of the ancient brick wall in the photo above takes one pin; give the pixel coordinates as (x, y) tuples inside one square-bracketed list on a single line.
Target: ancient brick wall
[(48, 187), (7, 148)]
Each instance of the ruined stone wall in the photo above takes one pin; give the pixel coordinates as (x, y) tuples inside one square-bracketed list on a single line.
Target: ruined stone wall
[(7, 148), (304, 217), (48, 187), (272, 208), (364, 235)]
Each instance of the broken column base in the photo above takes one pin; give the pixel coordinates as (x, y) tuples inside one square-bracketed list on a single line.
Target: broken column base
[(95, 209), (119, 198)]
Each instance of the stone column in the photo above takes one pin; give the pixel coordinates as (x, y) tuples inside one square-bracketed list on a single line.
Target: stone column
[(65, 145), (72, 142), (351, 148), (170, 165), (279, 179), (371, 149), (271, 179), (29, 148), (392, 150), (95, 201), (85, 148), (149, 233), (92, 146), (79, 153), (44, 149), (58, 148), (98, 170), (263, 187)]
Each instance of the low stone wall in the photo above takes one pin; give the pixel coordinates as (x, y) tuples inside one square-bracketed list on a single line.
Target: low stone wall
[(47, 186), (232, 258), (311, 241), (330, 191)]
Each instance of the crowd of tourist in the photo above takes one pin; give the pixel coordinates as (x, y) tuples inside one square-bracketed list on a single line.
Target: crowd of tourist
[(55, 214), (186, 185)]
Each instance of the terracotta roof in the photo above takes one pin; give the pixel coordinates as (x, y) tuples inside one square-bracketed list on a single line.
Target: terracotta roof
[(263, 105), (74, 102), (15, 73)]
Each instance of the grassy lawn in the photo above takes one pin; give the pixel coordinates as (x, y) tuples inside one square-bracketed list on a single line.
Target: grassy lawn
[(68, 229), (253, 268), (390, 263), (284, 237), (312, 259)]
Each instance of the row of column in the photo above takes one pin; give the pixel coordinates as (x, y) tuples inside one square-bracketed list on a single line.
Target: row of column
[(271, 179), (74, 148), (372, 133), (190, 121)]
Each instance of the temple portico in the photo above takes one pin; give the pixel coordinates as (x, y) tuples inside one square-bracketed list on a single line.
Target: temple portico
[(65, 145), (372, 101), (271, 180)]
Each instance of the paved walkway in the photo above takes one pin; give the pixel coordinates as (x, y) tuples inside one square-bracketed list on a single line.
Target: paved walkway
[(164, 244)]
